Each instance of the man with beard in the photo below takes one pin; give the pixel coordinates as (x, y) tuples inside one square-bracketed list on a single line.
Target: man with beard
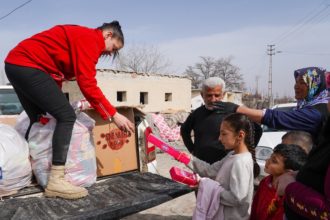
[(205, 123)]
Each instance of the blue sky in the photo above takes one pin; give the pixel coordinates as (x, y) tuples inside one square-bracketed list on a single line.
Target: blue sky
[(184, 30)]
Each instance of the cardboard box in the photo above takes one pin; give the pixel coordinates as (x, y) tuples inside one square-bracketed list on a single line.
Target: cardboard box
[(116, 151)]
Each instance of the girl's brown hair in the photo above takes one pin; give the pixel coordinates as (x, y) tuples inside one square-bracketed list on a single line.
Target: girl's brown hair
[(239, 122)]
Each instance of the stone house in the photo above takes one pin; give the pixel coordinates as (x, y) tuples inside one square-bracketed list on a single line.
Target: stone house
[(150, 92)]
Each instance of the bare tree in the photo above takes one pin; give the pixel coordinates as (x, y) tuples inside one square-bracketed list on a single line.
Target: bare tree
[(229, 73), (195, 77), (211, 67), (142, 58)]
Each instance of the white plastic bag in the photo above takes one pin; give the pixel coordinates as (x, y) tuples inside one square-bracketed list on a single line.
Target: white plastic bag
[(80, 167), (15, 167)]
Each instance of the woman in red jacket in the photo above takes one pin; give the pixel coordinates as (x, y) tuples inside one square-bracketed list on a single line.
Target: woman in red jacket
[(36, 68)]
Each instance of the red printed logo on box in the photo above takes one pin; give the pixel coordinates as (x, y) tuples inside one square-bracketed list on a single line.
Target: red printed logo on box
[(115, 139)]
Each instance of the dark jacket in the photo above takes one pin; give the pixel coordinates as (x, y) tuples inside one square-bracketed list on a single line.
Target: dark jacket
[(313, 173), (206, 127)]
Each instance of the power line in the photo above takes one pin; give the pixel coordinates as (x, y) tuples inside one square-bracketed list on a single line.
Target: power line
[(302, 25), (20, 6), (310, 16), (313, 11), (317, 21), (307, 53), (321, 18)]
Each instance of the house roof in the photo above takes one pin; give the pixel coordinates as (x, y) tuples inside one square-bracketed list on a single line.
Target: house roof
[(141, 74)]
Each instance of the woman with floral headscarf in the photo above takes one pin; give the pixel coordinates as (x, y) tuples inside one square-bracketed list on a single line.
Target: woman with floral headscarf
[(310, 87), (311, 111)]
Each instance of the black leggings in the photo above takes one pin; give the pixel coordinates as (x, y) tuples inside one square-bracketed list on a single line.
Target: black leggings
[(38, 94)]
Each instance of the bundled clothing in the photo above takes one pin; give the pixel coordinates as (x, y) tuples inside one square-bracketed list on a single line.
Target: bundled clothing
[(165, 132), (234, 174), (311, 112), (267, 205)]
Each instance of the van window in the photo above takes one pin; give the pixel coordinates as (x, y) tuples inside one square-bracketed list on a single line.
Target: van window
[(9, 102)]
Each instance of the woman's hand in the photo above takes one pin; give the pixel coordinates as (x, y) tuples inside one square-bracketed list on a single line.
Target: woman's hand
[(123, 123), (284, 180)]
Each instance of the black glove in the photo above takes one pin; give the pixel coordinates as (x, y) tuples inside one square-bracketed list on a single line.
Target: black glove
[(225, 107)]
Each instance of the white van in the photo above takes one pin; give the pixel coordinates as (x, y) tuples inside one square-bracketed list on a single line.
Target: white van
[(10, 105), (269, 139)]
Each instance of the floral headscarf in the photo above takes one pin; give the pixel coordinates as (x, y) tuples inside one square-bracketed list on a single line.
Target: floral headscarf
[(314, 77)]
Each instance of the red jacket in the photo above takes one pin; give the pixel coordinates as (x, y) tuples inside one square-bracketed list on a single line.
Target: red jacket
[(67, 52), (266, 204)]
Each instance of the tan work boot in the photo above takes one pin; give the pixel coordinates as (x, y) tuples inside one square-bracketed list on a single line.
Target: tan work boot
[(58, 187)]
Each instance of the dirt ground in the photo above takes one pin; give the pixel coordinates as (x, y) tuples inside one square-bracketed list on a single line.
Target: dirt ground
[(180, 208)]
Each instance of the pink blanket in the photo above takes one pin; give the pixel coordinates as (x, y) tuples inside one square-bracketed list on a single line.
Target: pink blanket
[(166, 133)]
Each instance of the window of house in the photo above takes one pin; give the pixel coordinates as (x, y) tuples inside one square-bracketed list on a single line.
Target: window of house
[(168, 97), (121, 96), (143, 98)]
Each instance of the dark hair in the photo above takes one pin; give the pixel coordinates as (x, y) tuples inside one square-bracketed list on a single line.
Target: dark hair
[(301, 138), (238, 122), (115, 27), (294, 156)]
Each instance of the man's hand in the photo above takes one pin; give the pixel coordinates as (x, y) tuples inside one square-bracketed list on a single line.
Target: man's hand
[(225, 107), (123, 123)]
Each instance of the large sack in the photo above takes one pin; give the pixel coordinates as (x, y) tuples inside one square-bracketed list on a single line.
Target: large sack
[(80, 167), (15, 167)]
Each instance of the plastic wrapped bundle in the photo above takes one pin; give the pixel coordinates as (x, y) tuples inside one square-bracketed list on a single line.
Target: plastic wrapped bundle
[(80, 167), (15, 167)]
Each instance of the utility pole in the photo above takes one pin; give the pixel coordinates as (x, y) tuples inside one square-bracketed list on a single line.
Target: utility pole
[(257, 86), (271, 53)]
